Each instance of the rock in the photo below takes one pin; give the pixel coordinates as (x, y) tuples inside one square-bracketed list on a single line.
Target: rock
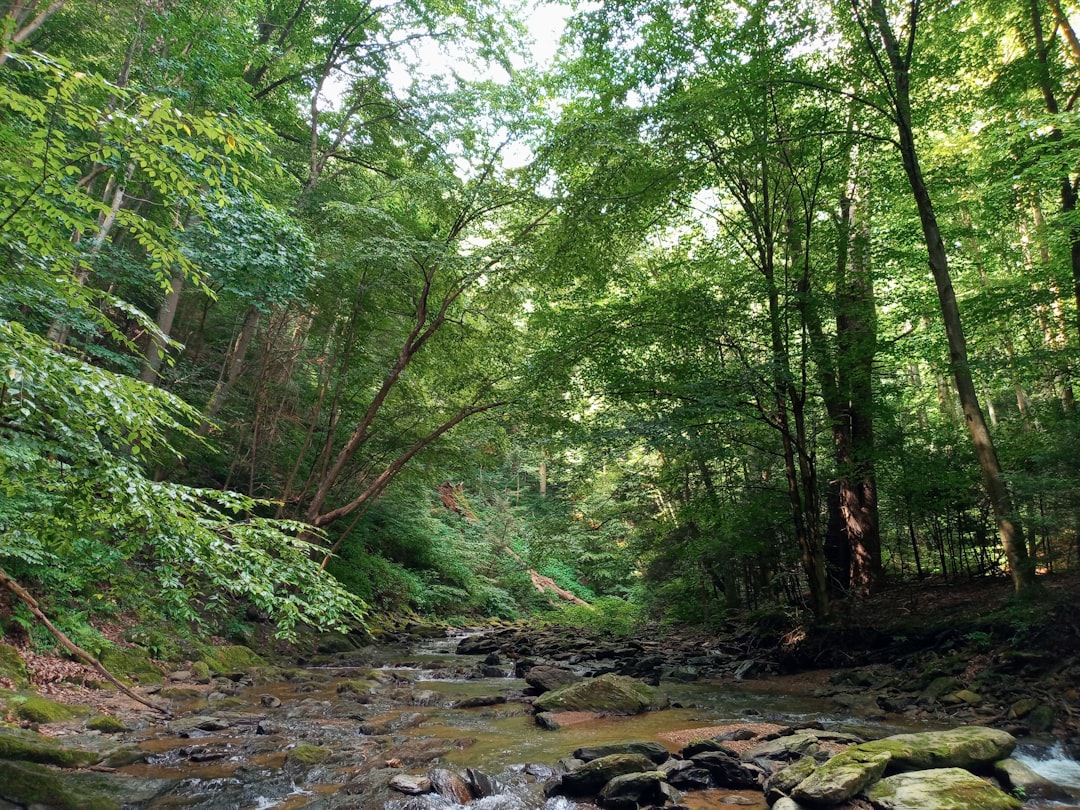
[(481, 784), (727, 771), (410, 785), (608, 694), (106, 724), (179, 676), (640, 788), (938, 687), (964, 747), (547, 678), (793, 746), (29, 746), (451, 786), (1023, 707), (233, 662), (939, 789), (308, 755), (13, 667), (1016, 775), (1040, 719), (270, 701), (200, 671), (861, 705), (842, 777), (131, 663), (785, 780), (700, 746), (592, 776), (28, 784), (482, 700), (36, 709), (691, 779), (477, 645), (425, 697), (653, 750)]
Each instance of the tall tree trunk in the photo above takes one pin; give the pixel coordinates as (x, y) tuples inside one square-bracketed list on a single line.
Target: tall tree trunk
[(155, 352), (234, 364), (897, 75)]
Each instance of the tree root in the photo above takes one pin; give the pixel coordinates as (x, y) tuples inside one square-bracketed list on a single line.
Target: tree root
[(17, 589)]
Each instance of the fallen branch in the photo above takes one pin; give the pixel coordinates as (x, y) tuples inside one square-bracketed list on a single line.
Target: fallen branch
[(19, 591), (545, 584)]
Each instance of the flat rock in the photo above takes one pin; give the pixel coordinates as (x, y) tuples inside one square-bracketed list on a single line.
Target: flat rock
[(410, 785), (1015, 774), (653, 750), (547, 678), (592, 776), (608, 694), (939, 789), (843, 776), (645, 788), (964, 747)]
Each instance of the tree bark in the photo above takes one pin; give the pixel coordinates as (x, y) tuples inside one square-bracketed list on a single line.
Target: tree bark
[(897, 75), (234, 364)]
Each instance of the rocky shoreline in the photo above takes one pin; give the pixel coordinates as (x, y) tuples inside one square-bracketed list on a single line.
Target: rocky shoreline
[(329, 729)]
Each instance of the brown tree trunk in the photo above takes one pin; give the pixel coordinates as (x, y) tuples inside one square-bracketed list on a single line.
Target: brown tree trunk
[(234, 364), (1009, 528), (155, 352)]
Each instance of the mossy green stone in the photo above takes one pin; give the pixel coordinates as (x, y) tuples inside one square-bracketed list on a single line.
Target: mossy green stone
[(963, 747), (12, 666), (200, 671), (608, 694), (939, 789), (131, 663), (309, 755), (29, 746), (842, 777), (29, 784), (36, 709), (232, 660), (106, 724)]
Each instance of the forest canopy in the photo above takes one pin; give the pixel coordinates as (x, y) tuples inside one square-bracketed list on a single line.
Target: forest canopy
[(730, 305)]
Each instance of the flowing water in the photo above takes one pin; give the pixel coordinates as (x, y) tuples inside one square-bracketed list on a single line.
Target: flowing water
[(246, 766)]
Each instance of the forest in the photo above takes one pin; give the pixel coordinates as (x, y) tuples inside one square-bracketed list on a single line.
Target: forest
[(336, 310)]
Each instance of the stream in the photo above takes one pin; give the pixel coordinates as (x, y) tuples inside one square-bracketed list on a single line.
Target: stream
[(320, 740)]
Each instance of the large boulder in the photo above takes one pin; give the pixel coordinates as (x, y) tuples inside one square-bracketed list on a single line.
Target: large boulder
[(842, 777), (939, 789), (608, 694), (233, 661), (592, 776), (546, 678), (728, 771), (964, 747), (635, 789), (653, 750), (1016, 775)]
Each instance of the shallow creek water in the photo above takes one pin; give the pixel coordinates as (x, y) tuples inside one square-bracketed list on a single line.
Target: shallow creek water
[(246, 766)]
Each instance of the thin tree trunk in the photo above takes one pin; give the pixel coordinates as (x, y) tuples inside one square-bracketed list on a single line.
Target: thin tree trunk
[(155, 352), (234, 364), (1009, 528)]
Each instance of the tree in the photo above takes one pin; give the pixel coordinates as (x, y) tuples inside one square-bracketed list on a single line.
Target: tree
[(893, 65)]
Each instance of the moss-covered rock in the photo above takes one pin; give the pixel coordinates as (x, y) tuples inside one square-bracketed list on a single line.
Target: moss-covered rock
[(233, 661), (939, 789), (200, 672), (13, 667), (608, 694), (592, 776), (107, 724), (132, 664), (36, 709), (964, 747), (29, 784), (308, 755), (29, 746), (842, 777)]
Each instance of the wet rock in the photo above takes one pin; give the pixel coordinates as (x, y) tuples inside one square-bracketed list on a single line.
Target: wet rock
[(28, 784), (784, 781), (451, 786), (1016, 775), (842, 777), (482, 700), (410, 785), (700, 746), (728, 771), (547, 678), (477, 645), (592, 776), (634, 789), (653, 750), (793, 746), (691, 779), (481, 784), (939, 789), (29, 746), (964, 747), (609, 694)]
